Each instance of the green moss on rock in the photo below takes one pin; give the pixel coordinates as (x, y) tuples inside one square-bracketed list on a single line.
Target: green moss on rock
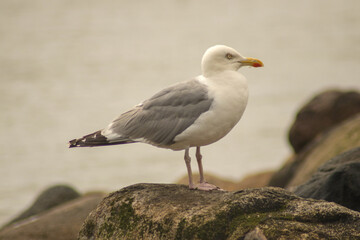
[(156, 211)]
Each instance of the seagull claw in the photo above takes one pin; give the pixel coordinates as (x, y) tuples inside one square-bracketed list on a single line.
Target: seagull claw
[(207, 187)]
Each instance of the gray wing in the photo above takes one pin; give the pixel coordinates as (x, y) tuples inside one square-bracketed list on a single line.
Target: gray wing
[(165, 115)]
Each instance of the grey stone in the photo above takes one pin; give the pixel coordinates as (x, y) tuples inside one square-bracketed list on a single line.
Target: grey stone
[(338, 181), (320, 114), (62, 222), (159, 211), (302, 166), (51, 197), (255, 234)]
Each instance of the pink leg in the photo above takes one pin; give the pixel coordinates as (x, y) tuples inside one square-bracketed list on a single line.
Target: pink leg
[(203, 184), (199, 158), (188, 166)]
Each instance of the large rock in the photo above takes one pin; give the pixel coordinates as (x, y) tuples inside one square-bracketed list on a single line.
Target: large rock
[(338, 181), (322, 113), (302, 166), (156, 211), (59, 223), (51, 197)]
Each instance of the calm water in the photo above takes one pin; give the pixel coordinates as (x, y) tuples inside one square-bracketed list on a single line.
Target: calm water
[(67, 68)]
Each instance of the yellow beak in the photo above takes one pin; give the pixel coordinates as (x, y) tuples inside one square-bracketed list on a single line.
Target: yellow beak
[(253, 62)]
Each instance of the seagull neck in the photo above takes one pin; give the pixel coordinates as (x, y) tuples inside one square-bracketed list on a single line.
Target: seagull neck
[(214, 73), (211, 73), (209, 70)]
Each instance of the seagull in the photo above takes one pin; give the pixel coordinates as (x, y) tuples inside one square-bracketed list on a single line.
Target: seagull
[(192, 113)]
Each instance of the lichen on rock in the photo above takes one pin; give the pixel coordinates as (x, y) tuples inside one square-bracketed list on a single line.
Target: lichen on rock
[(169, 211)]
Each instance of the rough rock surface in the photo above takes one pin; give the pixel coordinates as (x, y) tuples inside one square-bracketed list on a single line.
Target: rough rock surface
[(340, 139), (51, 197), (324, 111), (338, 181), (158, 211), (59, 223)]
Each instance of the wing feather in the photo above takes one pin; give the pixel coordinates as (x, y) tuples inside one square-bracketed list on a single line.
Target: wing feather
[(161, 118)]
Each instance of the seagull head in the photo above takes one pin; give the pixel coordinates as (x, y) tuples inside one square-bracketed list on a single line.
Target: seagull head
[(221, 58)]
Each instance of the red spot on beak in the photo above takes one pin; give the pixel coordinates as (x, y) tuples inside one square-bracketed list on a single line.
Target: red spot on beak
[(257, 65)]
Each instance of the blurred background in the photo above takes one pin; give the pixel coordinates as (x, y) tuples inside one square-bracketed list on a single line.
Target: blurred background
[(67, 68)]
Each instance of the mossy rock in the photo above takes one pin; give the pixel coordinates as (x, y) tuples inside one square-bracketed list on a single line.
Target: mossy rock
[(302, 166), (160, 211), (49, 198), (61, 222)]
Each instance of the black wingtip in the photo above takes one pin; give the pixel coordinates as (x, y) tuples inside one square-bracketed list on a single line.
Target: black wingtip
[(96, 139), (72, 143), (91, 140)]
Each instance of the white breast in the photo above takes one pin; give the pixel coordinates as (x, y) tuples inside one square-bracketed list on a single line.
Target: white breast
[(230, 93)]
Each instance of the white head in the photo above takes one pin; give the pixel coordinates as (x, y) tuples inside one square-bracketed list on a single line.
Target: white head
[(222, 58)]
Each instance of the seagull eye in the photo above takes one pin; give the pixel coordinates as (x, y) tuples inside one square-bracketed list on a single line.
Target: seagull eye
[(229, 56)]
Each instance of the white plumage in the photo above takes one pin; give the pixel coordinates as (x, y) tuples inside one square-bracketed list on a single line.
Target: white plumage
[(189, 114)]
